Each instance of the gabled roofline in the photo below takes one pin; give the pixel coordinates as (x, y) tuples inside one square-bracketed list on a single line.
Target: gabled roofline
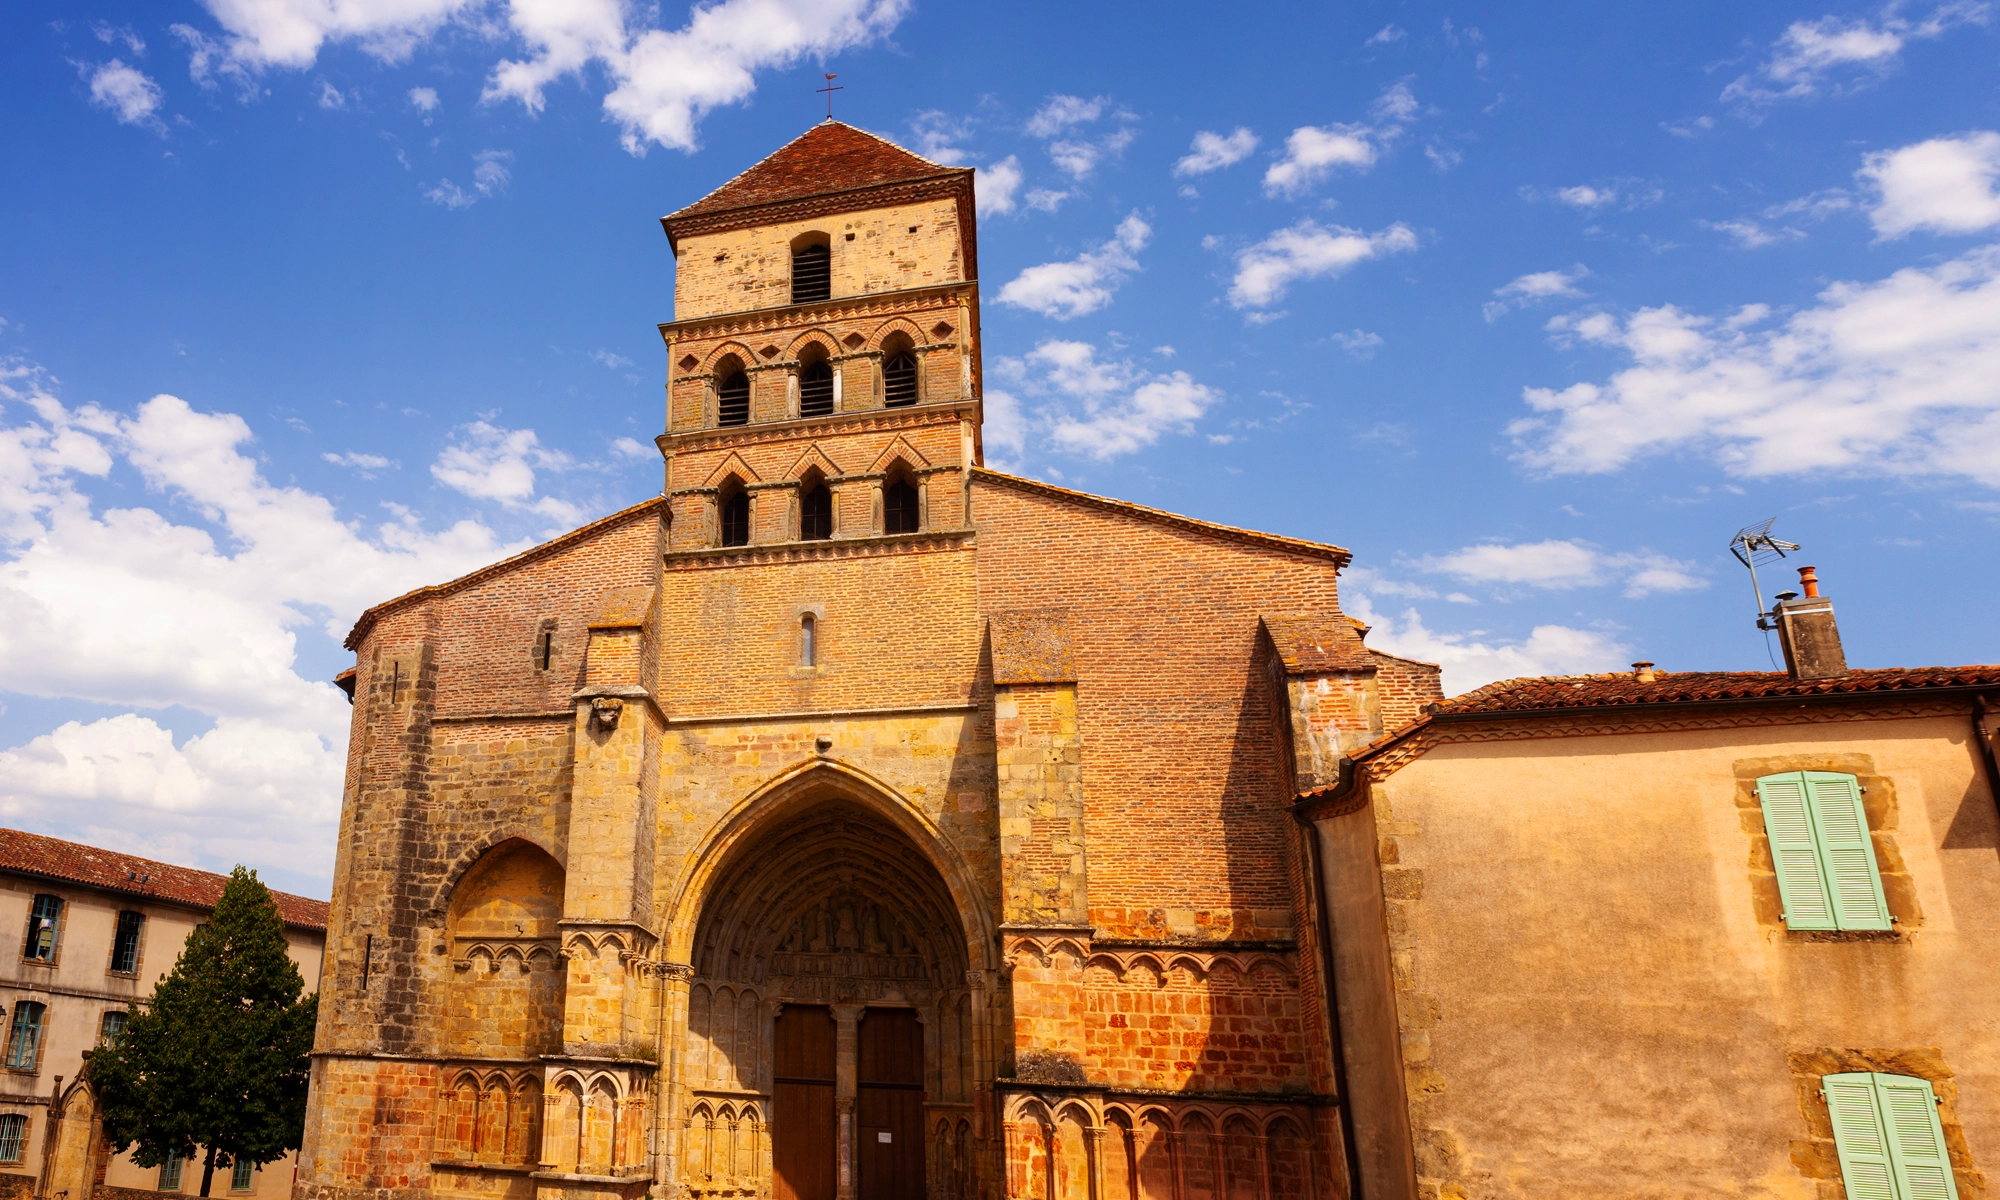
[(367, 620), (1269, 541)]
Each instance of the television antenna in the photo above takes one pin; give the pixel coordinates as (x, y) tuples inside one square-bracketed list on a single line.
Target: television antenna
[(1754, 547)]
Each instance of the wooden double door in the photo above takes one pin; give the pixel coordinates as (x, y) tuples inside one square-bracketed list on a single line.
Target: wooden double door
[(888, 1105)]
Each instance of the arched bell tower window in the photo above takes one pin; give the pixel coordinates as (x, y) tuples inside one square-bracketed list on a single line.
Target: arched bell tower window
[(732, 394), (812, 269), (815, 510), (735, 512), (815, 386), (899, 378), (899, 506)]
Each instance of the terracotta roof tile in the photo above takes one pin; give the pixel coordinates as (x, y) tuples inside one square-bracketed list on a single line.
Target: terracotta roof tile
[(830, 157), (72, 862), (1694, 687), (1319, 642)]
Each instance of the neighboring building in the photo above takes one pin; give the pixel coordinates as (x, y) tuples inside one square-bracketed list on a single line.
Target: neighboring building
[(1676, 933), (98, 930), (852, 820)]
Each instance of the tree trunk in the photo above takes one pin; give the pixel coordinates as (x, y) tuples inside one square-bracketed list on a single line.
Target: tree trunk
[(207, 1170)]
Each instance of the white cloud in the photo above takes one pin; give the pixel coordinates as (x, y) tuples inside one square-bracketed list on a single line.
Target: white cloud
[(109, 33), (330, 96), (1085, 283), (1214, 151), (609, 359), (1360, 344), (1308, 251), (995, 186), (937, 133), (366, 464), (1477, 658), (626, 447), (1527, 289), (1442, 157), (424, 99), (1944, 185), (1559, 565), (1386, 35), (1312, 152), (1080, 158), (1091, 407), (487, 462), (129, 607), (1896, 377), (1045, 200), (1061, 112), (1750, 235), (490, 176), (126, 93), (1809, 54), (662, 82)]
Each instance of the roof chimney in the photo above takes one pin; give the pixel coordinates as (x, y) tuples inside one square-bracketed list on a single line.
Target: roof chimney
[(1807, 632), (1643, 672)]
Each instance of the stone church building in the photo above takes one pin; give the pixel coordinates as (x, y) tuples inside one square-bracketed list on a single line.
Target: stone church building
[(851, 820)]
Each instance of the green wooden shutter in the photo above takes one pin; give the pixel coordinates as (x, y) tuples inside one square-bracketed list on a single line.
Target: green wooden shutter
[(1846, 851), (1858, 1136), (1795, 851), (1916, 1138)]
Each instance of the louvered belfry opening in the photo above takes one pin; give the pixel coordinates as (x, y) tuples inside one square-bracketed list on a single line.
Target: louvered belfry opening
[(816, 389), (899, 507), (812, 274), (899, 379), (816, 512), (736, 518), (733, 399)]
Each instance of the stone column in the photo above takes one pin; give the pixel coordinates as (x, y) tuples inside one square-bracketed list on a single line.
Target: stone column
[(846, 1070)]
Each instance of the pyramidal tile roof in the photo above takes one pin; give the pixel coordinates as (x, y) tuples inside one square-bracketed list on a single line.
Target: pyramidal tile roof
[(832, 156)]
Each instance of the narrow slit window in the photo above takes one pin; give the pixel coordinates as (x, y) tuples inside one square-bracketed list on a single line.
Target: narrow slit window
[(808, 641), (816, 389), (899, 380), (816, 513), (733, 399), (125, 947), (899, 507), (13, 1137), (812, 274), (545, 650), (736, 519), (43, 919), (24, 1040)]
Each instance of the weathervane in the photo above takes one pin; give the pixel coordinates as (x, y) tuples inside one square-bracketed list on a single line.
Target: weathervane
[(829, 89)]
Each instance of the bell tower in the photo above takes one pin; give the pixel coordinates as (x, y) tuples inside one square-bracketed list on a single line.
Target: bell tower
[(823, 364)]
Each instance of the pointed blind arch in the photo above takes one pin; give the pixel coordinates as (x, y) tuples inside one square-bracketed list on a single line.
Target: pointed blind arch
[(1822, 851)]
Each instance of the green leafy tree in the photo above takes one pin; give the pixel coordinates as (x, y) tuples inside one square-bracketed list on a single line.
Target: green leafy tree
[(218, 1061)]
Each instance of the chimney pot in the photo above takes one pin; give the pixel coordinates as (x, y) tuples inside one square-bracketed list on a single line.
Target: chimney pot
[(1643, 672), (1809, 580), (1807, 632)]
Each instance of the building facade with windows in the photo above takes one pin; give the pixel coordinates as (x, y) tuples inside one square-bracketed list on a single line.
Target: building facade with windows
[(98, 930)]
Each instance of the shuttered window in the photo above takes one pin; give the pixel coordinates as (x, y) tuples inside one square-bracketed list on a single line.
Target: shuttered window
[(1820, 846), (1889, 1138)]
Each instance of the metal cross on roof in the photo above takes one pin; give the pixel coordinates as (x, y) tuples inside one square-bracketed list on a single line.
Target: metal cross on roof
[(829, 89)]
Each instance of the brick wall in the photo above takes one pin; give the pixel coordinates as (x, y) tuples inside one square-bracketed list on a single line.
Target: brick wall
[(907, 246)]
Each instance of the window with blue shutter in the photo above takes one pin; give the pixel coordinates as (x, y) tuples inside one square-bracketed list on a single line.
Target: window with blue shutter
[(1820, 846), (1889, 1138)]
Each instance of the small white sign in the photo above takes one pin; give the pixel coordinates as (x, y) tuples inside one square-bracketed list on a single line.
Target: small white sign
[(884, 1136)]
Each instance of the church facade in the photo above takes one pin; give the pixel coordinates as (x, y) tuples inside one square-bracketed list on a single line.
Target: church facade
[(851, 820)]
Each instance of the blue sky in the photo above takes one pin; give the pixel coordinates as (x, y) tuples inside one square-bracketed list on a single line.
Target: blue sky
[(1529, 306)]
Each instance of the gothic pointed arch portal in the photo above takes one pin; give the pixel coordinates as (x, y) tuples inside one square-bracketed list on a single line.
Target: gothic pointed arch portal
[(831, 1028)]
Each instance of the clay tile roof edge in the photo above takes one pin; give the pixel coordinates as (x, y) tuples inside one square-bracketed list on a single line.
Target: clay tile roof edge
[(375, 612), (44, 857), (1160, 516), (694, 207)]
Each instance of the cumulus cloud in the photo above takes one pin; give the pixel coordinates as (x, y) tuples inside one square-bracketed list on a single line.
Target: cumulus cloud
[(1559, 565), (487, 462), (126, 93), (1360, 344), (1527, 289), (1312, 152), (997, 185), (1060, 112), (1944, 185), (424, 99), (1752, 235), (1387, 35), (1063, 119), (661, 82), (1308, 251), (138, 608), (1089, 406), (1891, 377), (366, 464), (1476, 657), (1593, 197), (1085, 283), (490, 176), (1835, 54), (1214, 151)]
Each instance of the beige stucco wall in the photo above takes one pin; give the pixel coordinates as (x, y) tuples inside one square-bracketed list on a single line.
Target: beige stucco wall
[(878, 250), (80, 988), (1596, 998)]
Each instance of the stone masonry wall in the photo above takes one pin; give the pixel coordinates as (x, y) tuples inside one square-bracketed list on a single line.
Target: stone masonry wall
[(878, 250)]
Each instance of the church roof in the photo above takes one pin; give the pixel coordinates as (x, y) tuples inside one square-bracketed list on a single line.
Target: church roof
[(107, 870)]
